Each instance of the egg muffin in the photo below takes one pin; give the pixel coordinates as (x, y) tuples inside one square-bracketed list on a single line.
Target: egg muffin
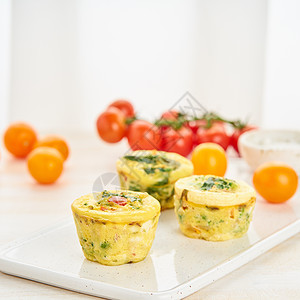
[(154, 172), (213, 208), (116, 227)]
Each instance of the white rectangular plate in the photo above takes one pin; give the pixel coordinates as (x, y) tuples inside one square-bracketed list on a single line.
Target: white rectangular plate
[(176, 266)]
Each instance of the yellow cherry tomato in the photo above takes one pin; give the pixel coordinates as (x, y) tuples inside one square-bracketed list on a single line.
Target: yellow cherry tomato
[(56, 142), (45, 164), (19, 139), (209, 159), (275, 181)]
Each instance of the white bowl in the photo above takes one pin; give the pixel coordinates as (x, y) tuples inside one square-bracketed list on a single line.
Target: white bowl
[(260, 146)]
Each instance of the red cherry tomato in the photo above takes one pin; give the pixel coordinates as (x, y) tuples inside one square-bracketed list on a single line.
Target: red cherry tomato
[(111, 125), (143, 135), (215, 134), (125, 106), (170, 115), (178, 141), (118, 200), (236, 135), (195, 124)]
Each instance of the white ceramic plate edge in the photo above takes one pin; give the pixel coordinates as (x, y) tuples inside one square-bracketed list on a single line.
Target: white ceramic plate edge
[(97, 288)]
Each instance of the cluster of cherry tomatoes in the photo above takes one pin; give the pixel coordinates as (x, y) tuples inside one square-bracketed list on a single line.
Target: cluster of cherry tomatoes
[(174, 131), (274, 181), (45, 156), (209, 136)]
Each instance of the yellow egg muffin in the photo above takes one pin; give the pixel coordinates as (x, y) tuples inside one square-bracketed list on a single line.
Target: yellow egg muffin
[(213, 208), (116, 227), (154, 172)]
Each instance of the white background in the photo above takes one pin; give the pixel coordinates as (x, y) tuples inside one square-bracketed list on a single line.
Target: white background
[(63, 61)]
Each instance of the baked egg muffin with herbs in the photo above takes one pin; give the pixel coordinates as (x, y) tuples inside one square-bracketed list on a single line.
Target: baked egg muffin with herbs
[(213, 208), (116, 227), (154, 172)]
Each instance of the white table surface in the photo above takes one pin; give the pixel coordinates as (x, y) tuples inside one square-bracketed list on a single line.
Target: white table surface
[(26, 207)]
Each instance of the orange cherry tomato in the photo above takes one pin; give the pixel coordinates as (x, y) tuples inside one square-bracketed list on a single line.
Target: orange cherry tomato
[(125, 106), (275, 181), (209, 159), (56, 142), (111, 125), (45, 164), (19, 139)]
